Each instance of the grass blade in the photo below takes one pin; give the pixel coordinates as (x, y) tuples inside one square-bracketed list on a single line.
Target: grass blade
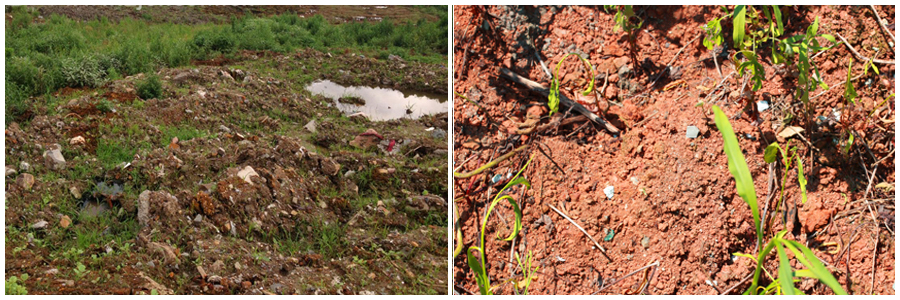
[(785, 275), (740, 19), (801, 179), (738, 167), (808, 259), (477, 266)]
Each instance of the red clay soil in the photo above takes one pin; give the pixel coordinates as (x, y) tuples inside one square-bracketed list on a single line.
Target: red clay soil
[(674, 198)]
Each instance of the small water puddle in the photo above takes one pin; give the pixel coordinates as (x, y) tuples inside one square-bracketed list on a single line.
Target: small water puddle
[(380, 104)]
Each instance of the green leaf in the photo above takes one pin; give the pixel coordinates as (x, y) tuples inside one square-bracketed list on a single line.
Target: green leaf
[(777, 12), (553, 97), (801, 179), (477, 266), (849, 90), (740, 19), (738, 167), (785, 275), (771, 152), (808, 259), (813, 29), (518, 218)]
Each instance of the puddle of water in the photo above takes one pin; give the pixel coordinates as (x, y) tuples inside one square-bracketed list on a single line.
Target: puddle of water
[(381, 103)]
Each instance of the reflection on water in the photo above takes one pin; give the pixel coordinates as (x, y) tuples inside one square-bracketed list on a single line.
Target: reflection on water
[(381, 103)]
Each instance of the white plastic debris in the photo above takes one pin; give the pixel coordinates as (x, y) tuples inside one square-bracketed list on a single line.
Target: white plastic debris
[(762, 105), (609, 191)]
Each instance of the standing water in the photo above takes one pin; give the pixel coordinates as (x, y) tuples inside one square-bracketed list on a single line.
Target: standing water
[(380, 104)]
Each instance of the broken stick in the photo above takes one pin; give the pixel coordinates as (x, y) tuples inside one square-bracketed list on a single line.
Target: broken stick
[(563, 100)]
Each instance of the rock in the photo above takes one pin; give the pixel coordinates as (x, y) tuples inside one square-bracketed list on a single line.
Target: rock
[(247, 173), (54, 159), (65, 221), (198, 218), (276, 288), (201, 271), (25, 180), (367, 139), (10, 170), (645, 242), (692, 132), (349, 173), (329, 167), (53, 271), (40, 224), (167, 252), (24, 167), (75, 192), (237, 265), (216, 268), (610, 191), (246, 284), (359, 116), (311, 126), (152, 285), (439, 134), (161, 203), (395, 58), (78, 140), (224, 129), (143, 214)]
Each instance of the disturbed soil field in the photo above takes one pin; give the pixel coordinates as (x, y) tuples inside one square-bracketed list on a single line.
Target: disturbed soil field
[(223, 185), (648, 193)]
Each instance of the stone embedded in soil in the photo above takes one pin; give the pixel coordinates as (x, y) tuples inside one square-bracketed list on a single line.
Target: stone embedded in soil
[(54, 159), (692, 132), (40, 224), (75, 192), (78, 140), (311, 126), (247, 173), (10, 170), (24, 167), (65, 221), (25, 180), (367, 139), (161, 203), (645, 242)]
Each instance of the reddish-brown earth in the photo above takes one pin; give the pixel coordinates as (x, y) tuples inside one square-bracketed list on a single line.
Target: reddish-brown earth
[(675, 200)]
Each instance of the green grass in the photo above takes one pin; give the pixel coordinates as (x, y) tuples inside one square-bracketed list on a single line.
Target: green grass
[(784, 283), (42, 57)]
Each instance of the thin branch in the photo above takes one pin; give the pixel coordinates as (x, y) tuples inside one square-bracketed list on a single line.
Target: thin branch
[(884, 27), (654, 264), (880, 61), (602, 250)]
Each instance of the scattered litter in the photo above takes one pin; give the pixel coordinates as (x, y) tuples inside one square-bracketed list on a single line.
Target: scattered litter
[(429, 129), (762, 105), (610, 234), (692, 132), (497, 178), (559, 258), (609, 191)]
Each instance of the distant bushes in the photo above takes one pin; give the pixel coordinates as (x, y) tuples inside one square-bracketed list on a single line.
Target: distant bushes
[(285, 33)]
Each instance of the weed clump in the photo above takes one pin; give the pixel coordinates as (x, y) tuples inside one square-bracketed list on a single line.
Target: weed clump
[(150, 88)]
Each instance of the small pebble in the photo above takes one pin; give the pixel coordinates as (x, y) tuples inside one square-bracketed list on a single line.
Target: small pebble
[(692, 132)]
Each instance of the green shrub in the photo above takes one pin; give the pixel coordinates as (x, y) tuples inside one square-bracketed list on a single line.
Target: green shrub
[(13, 287), (16, 101), (88, 70), (150, 88)]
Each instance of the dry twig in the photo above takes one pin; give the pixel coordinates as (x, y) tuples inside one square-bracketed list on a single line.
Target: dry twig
[(602, 250), (880, 61)]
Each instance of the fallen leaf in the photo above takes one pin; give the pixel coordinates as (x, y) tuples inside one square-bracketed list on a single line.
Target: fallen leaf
[(790, 131)]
